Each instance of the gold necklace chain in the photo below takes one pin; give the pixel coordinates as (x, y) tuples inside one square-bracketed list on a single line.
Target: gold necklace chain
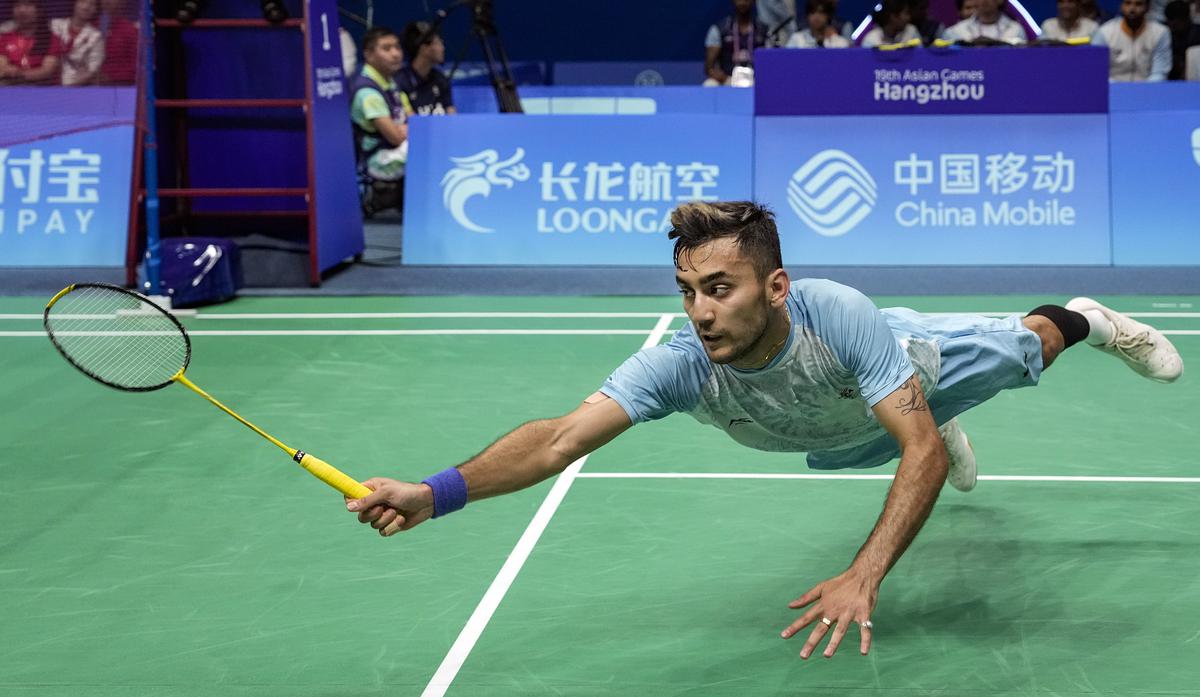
[(770, 354)]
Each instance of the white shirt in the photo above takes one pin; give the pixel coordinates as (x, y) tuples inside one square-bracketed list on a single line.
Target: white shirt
[(1144, 57), (875, 37), (1003, 29), (83, 55), (1084, 28), (804, 39)]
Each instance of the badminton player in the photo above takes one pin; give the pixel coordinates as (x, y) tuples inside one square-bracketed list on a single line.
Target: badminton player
[(807, 366)]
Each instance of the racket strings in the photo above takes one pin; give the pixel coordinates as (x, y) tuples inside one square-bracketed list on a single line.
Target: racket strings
[(117, 337)]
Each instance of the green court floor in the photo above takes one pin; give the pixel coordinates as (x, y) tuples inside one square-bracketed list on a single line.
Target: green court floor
[(151, 546)]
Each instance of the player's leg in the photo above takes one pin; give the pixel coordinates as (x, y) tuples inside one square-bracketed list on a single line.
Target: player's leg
[(1058, 329), (1140, 346)]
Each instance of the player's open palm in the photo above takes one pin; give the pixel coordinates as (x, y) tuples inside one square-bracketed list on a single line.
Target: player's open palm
[(393, 506), (846, 599)]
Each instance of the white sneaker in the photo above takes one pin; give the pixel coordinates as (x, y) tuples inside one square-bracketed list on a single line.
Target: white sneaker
[(960, 455), (1141, 346)]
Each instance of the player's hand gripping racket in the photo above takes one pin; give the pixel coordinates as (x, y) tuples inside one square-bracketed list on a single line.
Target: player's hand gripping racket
[(124, 340)]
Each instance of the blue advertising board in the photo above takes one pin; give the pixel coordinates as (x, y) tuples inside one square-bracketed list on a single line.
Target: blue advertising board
[(935, 190), (64, 200), (65, 163), (337, 228), (580, 190), (642, 73), (1064, 80), (1155, 141), (618, 100)]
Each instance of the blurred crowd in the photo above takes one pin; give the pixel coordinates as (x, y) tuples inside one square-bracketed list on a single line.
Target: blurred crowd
[(65, 42)]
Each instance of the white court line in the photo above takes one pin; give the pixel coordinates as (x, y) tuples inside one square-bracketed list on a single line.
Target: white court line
[(443, 332), (385, 332), (399, 315), (808, 475), (470, 634), (522, 315), (434, 315)]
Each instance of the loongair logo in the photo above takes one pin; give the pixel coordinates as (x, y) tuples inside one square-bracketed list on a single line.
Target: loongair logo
[(832, 193), (475, 175), (1196, 145)]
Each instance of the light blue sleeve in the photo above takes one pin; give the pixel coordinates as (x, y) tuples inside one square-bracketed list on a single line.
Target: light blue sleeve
[(857, 333), (660, 380), (1098, 37), (713, 40), (1160, 63)]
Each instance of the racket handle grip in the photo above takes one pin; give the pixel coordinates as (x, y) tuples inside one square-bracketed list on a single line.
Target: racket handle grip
[(331, 475)]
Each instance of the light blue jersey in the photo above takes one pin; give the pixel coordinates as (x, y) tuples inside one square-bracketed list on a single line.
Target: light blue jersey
[(842, 357)]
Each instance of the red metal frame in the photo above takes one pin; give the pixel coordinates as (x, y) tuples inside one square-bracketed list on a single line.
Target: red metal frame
[(186, 192)]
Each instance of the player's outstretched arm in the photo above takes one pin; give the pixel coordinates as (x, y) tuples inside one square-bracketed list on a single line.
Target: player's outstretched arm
[(533, 452), (850, 597)]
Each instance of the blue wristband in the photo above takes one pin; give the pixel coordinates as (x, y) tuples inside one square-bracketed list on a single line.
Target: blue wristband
[(449, 491)]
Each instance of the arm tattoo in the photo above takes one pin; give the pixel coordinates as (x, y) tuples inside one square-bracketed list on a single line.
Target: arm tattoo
[(914, 402)]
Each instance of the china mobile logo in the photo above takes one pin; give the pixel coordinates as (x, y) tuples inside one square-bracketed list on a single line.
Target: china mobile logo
[(832, 193), (475, 175)]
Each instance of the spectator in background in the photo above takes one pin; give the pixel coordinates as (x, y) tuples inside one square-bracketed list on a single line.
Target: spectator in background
[(1093, 11), (1069, 24), (731, 42), (83, 45), (427, 88), (1138, 49), (966, 9), (120, 43), (379, 113), (892, 25), (988, 23), (1157, 11), (819, 33), (928, 27), (1192, 71), (1184, 35), (843, 26), (780, 18), (349, 53), (29, 53)]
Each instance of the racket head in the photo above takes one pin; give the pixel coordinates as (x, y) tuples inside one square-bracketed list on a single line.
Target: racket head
[(117, 337)]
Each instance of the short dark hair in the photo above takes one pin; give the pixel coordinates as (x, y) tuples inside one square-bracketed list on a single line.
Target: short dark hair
[(751, 225), (414, 36), (1176, 9), (815, 6), (890, 8), (374, 34)]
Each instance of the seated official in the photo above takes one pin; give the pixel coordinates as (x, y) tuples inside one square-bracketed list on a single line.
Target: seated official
[(1069, 24), (1139, 50), (820, 31), (379, 112), (427, 88), (988, 24), (730, 43), (893, 25)]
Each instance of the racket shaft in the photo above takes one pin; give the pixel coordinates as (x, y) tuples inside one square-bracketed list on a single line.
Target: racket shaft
[(317, 467)]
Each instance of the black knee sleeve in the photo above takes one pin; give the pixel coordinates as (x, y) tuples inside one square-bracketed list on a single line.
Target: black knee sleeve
[(1074, 326)]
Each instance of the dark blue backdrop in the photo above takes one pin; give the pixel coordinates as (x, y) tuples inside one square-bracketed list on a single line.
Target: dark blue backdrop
[(573, 30)]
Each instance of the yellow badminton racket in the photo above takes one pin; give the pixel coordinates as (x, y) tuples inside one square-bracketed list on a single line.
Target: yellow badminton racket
[(124, 340)]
